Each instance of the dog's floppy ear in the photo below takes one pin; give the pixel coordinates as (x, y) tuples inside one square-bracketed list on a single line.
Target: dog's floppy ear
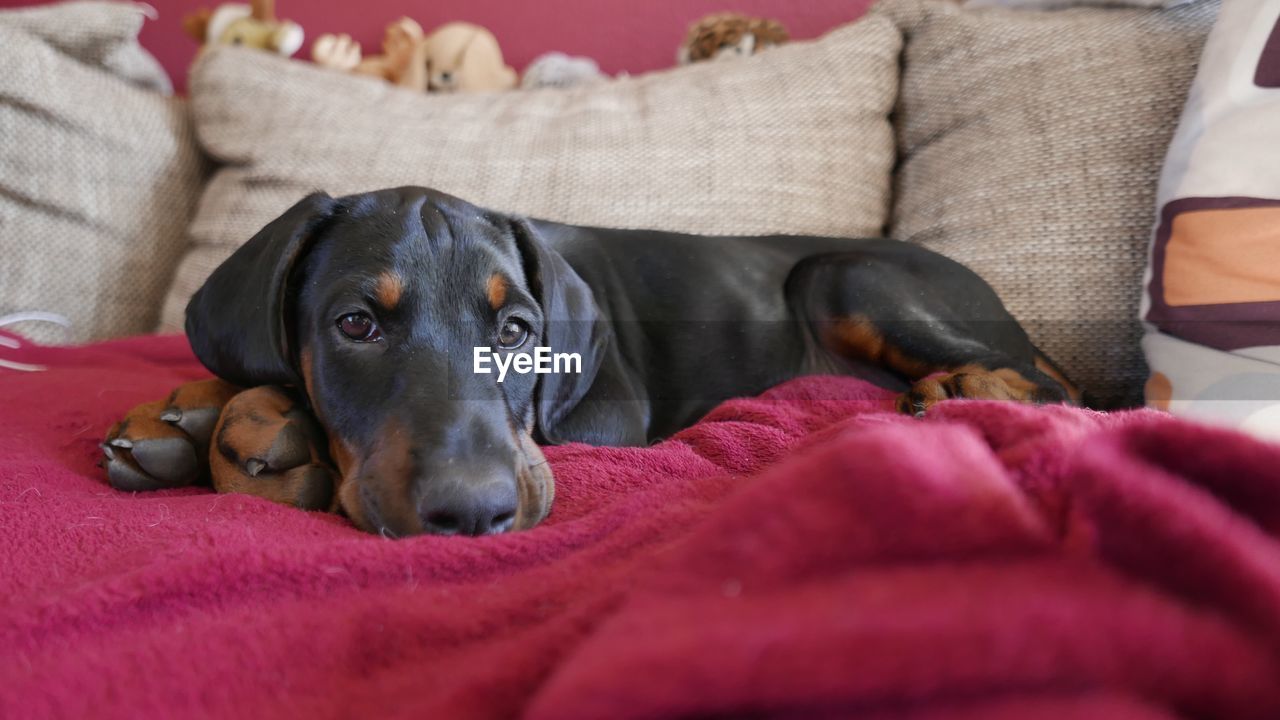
[(238, 321), (572, 323)]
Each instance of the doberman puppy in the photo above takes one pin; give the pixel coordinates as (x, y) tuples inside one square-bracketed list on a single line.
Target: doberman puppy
[(362, 325)]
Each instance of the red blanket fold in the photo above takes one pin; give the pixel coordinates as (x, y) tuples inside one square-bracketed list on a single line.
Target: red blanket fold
[(803, 554)]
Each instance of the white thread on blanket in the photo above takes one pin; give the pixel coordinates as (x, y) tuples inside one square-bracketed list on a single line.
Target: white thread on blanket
[(28, 316), (21, 367), (35, 316)]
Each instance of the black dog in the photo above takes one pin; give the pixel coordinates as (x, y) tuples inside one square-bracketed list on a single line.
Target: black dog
[(372, 311)]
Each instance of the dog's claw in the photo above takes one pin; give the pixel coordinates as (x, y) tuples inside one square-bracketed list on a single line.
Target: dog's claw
[(172, 461), (122, 443), (172, 416), (124, 477), (198, 423), (254, 466), (107, 451), (290, 448)]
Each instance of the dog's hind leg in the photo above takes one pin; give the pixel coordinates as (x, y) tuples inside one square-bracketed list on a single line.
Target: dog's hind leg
[(927, 320)]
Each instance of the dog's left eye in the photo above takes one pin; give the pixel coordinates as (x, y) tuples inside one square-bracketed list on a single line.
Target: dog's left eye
[(359, 327), (513, 334)]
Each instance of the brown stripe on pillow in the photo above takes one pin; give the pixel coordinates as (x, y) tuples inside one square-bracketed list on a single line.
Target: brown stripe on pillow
[(1215, 271), (1224, 256)]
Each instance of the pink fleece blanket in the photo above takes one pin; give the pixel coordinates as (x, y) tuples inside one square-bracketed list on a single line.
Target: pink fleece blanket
[(805, 553)]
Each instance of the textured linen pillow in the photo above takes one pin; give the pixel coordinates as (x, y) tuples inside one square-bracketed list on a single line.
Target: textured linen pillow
[(1030, 146), (99, 34), (1213, 287), (794, 140), (97, 176)]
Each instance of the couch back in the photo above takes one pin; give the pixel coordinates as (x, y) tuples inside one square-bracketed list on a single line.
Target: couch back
[(621, 36)]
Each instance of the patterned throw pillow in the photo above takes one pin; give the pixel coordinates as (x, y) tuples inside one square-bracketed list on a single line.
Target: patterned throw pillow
[(1212, 305)]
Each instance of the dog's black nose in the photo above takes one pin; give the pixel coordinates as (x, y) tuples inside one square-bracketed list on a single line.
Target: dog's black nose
[(478, 502)]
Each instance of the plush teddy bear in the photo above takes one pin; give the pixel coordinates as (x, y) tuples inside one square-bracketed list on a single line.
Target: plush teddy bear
[(454, 57), (254, 25), (461, 57), (726, 35), (399, 44)]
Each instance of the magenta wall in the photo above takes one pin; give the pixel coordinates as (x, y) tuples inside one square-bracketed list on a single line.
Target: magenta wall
[(630, 35)]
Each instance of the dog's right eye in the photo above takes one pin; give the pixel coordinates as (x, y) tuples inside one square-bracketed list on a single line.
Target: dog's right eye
[(359, 327)]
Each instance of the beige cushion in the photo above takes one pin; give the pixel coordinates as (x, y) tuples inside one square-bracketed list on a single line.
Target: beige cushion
[(99, 34), (1030, 147), (794, 140), (97, 180)]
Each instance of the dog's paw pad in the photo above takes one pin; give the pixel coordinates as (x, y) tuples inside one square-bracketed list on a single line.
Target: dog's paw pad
[(165, 444), (143, 452), (173, 459)]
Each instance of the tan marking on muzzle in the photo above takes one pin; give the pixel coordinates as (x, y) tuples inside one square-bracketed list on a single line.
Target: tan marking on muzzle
[(535, 485), (308, 385), (384, 476)]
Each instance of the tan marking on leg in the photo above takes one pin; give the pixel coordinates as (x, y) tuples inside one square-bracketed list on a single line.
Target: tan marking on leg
[(857, 336), (204, 393), (1046, 367), (1015, 384), (1159, 391), (497, 291), (972, 382), (389, 289), (926, 392)]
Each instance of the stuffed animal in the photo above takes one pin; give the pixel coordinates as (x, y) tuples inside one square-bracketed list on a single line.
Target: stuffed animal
[(254, 25), (557, 70), (399, 44), (454, 57), (727, 35), (461, 57)]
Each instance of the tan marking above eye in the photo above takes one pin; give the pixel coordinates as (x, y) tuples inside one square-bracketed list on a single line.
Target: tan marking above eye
[(497, 291), (388, 290)]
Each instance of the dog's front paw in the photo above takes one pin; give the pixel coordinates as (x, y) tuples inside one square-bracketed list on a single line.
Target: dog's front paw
[(267, 444), (165, 444)]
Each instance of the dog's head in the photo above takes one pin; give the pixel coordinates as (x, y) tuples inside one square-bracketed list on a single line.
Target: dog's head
[(374, 305)]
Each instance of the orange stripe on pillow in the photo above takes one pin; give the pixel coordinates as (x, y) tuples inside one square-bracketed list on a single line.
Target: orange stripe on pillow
[(1224, 256)]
